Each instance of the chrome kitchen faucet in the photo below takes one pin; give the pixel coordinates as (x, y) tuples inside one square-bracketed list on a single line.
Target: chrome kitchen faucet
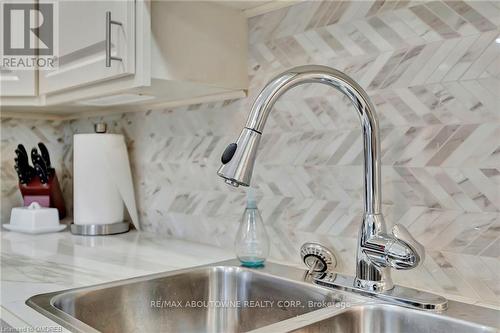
[(377, 251)]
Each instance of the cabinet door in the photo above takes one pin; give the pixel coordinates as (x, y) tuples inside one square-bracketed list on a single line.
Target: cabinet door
[(17, 82), (81, 54)]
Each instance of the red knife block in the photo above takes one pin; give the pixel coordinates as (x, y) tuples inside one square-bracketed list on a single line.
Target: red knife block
[(47, 195)]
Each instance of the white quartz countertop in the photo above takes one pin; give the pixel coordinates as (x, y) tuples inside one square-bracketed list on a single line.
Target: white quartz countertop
[(35, 264)]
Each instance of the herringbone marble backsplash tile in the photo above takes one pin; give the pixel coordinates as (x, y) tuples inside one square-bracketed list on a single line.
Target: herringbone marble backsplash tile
[(432, 69)]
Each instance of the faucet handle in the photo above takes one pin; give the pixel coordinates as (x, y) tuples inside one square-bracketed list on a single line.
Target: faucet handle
[(405, 252), (400, 232)]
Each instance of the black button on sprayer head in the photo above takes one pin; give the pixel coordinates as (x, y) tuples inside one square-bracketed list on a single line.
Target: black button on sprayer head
[(228, 153)]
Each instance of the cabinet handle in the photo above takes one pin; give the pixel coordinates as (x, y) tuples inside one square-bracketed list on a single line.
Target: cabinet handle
[(109, 22)]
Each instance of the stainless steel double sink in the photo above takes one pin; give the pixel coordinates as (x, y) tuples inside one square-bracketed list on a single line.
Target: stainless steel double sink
[(225, 297)]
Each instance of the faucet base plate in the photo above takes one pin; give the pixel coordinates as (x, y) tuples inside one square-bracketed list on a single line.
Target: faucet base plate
[(400, 295)]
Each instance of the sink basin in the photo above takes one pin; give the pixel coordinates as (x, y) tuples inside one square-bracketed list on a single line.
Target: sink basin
[(208, 299), (384, 318), (225, 297)]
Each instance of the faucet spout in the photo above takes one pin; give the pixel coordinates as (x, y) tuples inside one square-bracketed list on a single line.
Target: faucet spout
[(274, 90), (238, 160)]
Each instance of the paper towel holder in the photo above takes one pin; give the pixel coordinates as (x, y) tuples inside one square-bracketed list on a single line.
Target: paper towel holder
[(105, 228), (100, 128)]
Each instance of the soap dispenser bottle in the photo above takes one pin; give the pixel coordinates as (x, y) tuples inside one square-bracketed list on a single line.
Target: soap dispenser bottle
[(252, 243)]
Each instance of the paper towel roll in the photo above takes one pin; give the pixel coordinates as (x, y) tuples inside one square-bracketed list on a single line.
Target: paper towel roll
[(102, 181)]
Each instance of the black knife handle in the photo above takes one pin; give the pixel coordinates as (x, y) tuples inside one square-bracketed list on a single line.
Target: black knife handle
[(34, 155), (23, 150), (45, 154), (42, 174), (22, 166)]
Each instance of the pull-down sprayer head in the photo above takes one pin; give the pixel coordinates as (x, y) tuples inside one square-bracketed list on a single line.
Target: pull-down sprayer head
[(238, 158)]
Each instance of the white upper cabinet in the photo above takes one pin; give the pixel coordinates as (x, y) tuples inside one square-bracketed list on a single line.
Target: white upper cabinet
[(133, 55), (85, 27), (17, 82)]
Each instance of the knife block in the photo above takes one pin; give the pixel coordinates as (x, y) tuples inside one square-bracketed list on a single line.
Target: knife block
[(47, 195)]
